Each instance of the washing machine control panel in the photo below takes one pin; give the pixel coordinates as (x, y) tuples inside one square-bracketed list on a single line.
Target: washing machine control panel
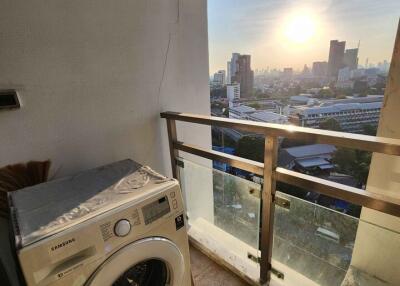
[(155, 210), (137, 220), (122, 227)]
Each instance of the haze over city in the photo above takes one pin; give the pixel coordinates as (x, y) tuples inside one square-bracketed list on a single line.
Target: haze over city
[(281, 34)]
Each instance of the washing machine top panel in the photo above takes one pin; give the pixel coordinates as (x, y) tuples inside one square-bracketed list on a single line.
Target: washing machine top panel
[(48, 208)]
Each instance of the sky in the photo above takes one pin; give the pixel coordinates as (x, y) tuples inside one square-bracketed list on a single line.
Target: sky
[(292, 33)]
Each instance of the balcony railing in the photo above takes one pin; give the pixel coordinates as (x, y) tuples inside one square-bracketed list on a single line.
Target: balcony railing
[(274, 221)]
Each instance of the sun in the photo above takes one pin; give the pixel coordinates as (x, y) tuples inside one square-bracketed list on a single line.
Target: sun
[(300, 28)]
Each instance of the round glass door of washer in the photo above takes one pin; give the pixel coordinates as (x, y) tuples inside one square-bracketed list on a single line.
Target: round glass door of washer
[(147, 262)]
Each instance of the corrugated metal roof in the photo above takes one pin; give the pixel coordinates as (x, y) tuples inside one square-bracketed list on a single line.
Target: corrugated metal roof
[(312, 162), (325, 167), (367, 99), (242, 109), (310, 150), (340, 107), (267, 116), (300, 98)]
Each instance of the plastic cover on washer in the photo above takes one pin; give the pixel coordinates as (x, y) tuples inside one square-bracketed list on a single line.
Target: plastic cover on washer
[(45, 209)]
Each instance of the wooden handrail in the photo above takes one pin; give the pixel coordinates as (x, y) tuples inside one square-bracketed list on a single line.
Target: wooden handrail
[(357, 141), (234, 161)]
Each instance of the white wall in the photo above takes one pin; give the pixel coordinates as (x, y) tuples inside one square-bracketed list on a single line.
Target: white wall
[(93, 76), (377, 246)]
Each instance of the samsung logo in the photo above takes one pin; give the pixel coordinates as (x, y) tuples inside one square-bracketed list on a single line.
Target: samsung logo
[(62, 244)]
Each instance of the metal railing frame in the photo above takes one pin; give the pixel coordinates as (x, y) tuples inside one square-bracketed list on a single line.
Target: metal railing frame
[(271, 173)]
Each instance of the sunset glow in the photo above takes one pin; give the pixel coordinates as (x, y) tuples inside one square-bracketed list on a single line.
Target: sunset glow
[(300, 28), (279, 34)]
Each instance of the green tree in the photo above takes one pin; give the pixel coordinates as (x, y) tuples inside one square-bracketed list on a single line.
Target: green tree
[(218, 92), (364, 93), (221, 139), (341, 96), (251, 147), (294, 90), (290, 142), (258, 93), (369, 129), (330, 124), (353, 162), (325, 93), (254, 105), (344, 91)]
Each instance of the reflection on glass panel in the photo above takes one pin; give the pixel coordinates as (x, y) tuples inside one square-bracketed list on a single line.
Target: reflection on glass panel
[(235, 203), (331, 248), (314, 241), (236, 206), (224, 213)]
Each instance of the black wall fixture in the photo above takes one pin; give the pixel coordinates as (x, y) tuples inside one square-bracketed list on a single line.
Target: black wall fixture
[(9, 99)]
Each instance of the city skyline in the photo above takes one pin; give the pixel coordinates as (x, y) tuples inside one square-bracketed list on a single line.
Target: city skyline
[(279, 34)]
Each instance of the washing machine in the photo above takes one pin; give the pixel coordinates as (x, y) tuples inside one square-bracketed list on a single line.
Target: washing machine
[(120, 224)]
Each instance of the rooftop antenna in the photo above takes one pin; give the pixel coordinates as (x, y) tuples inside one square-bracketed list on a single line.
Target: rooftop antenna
[(358, 46)]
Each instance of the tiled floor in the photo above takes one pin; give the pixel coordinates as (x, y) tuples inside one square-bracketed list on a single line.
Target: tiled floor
[(207, 273)]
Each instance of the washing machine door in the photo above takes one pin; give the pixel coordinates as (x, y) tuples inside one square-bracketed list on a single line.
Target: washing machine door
[(147, 262)]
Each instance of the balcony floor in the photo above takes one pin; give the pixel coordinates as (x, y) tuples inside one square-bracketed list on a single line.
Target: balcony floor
[(208, 273)]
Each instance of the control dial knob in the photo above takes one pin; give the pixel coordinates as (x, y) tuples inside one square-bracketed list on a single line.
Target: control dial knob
[(122, 227)]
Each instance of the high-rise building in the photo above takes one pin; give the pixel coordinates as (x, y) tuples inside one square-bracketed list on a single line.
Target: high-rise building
[(232, 66), (320, 69), (306, 70), (350, 58), (228, 73), (336, 57), (287, 73), (385, 66), (243, 75), (232, 93), (219, 78), (344, 74)]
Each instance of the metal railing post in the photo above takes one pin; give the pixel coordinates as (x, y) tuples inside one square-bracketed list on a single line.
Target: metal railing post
[(268, 207), (172, 137)]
